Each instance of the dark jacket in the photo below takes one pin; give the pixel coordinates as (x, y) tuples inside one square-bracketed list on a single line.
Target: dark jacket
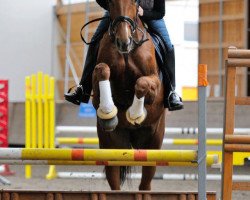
[(157, 12)]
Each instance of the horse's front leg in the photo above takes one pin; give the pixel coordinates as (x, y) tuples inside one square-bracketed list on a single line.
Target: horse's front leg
[(106, 111), (146, 87)]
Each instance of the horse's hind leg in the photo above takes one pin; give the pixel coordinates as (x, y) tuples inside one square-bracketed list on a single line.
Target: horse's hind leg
[(147, 176), (107, 111), (154, 143), (113, 177), (119, 139)]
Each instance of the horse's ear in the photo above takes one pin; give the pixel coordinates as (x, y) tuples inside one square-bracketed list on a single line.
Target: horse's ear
[(137, 1)]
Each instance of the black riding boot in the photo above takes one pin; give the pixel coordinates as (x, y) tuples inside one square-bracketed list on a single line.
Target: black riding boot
[(83, 90), (172, 100)]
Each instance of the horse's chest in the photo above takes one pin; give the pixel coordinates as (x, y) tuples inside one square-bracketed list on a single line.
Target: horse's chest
[(125, 72), (123, 80), (133, 67), (127, 75)]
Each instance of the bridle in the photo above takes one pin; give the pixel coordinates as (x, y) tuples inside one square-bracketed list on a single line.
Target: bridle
[(133, 25), (115, 23)]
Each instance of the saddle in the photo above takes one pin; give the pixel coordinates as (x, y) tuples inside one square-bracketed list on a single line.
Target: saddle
[(160, 50)]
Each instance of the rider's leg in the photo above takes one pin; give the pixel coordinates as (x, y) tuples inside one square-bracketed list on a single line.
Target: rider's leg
[(171, 99), (83, 90)]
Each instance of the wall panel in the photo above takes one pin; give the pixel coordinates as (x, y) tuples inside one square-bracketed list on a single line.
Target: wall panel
[(222, 23)]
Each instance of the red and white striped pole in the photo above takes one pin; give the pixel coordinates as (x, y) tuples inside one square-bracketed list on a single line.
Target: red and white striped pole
[(4, 101)]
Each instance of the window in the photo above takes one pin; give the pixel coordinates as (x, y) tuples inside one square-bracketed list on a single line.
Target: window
[(190, 31)]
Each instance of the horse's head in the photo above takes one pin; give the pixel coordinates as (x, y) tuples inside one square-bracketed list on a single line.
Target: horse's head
[(123, 14)]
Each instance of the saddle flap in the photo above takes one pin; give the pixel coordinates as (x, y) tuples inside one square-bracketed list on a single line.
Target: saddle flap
[(160, 50)]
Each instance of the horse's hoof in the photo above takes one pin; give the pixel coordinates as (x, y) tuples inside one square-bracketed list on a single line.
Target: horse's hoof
[(138, 120), (108, 125), (103, 115)]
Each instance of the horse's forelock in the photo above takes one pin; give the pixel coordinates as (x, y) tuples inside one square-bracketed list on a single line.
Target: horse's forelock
[(137, 2), (122, 8)]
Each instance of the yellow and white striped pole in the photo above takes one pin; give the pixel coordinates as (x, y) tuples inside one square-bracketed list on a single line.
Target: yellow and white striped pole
[(75, 140), (99, 154), (210, 142), (211, 159), (174, 141)]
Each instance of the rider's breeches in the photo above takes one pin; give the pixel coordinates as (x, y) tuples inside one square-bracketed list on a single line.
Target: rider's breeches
[(91, 56), (159, 27)]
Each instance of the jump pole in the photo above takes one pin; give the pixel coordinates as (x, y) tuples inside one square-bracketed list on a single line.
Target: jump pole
[(98, 154), (168, 130), (173, 141), (182, 177), (202, 104), (211, 159)]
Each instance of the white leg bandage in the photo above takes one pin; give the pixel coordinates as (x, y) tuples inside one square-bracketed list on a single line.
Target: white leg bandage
[(136, 110), (106, 101)]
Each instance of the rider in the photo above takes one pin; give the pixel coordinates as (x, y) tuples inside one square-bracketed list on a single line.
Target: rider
[(152, 13)]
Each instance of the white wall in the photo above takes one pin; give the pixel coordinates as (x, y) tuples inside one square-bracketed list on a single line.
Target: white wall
[(25, 41), (186, 53)]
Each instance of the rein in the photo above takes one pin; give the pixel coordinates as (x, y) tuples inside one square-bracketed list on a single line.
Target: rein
[(113, 25), (92, 21)]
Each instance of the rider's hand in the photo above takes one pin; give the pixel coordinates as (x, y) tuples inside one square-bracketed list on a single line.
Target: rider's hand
[(140, 11)]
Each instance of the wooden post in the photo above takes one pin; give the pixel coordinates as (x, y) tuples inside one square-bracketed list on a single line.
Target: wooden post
[(227, 169), (233, 143)]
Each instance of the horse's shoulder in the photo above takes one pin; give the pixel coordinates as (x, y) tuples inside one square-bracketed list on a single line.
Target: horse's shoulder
[(146, 51), (106, 47)]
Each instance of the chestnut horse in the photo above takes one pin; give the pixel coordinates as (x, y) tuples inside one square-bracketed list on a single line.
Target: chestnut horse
[(127, 91)]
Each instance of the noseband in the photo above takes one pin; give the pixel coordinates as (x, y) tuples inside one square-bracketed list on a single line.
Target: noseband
[(133, 25), (115, 23)]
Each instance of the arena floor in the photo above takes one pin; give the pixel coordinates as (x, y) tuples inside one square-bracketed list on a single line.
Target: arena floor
[(38, 182)]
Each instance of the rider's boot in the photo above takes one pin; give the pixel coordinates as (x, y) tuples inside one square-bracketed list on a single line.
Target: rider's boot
[(172, 100), (83, 90)]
